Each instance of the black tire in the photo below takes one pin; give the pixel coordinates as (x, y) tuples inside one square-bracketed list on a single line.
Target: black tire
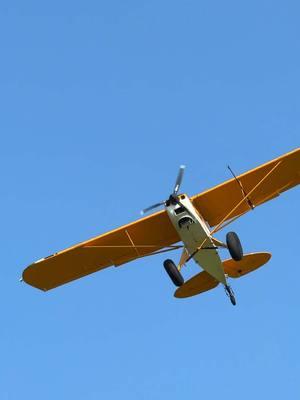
[(234, 246), (173, 273)]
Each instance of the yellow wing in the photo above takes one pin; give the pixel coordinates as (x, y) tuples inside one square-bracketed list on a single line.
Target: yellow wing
[(137, 239), (262, 183)]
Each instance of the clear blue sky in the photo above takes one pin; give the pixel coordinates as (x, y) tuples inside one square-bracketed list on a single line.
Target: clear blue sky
[(100, 104)]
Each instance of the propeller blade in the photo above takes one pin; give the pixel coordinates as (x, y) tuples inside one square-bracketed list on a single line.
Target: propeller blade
[(162, 203), (179, 179)]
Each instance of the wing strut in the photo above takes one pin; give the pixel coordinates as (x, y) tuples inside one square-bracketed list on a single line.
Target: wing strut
[(250, 204), (156, 249), (219, 226), (132, 243)]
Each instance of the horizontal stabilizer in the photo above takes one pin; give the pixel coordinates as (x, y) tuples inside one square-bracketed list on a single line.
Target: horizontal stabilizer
[(250, 262), (197, 284)]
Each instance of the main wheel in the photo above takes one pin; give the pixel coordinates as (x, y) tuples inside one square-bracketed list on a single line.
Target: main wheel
[(173, 273), (234, 246)]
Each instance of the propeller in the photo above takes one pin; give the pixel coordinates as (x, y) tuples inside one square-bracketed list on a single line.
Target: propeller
[(173, 198), (179, 180)]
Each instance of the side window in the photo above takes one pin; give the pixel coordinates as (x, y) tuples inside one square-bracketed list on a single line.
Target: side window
[(185, 221)]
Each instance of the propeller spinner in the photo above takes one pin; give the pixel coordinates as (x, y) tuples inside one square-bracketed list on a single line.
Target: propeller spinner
[(173, 198)]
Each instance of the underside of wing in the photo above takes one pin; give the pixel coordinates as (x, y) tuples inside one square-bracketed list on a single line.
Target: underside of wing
[(263, 183), (141, 238)]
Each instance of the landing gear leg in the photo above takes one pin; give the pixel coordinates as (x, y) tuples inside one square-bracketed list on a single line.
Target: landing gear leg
[(230, 294)]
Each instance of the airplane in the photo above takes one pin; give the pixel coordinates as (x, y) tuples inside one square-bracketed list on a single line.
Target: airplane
[(187, 223)]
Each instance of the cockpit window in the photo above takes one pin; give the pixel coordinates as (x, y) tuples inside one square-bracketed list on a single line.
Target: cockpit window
[(185, 221)]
